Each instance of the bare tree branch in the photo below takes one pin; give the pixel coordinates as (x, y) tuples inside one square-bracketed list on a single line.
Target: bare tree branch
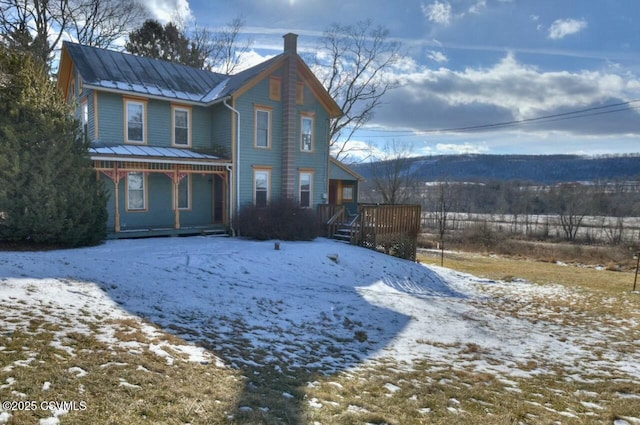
[(353, 67), (392, 175), (37, 26), (223, 48), (101, 23)]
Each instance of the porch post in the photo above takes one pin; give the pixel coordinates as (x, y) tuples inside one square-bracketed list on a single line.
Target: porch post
[(176, 211), (116, 202)]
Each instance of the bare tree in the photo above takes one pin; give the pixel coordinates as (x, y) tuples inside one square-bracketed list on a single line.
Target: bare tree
[(34, 26), (101, 23), (571, 207), (442, 204), (392, 174), (224, 49), (353, 66), (37, 26)]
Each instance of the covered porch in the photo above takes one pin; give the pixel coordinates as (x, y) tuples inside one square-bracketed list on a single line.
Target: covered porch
[(163, 191)]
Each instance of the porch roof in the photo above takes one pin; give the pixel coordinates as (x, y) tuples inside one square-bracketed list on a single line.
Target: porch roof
[(339, 171), (153, 154)]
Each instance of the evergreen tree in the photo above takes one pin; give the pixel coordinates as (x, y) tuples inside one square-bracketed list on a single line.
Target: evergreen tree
[(48, 192), (166, 42)]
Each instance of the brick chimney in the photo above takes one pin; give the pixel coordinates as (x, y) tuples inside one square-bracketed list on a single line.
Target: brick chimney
[(289, 116), (290, 43)]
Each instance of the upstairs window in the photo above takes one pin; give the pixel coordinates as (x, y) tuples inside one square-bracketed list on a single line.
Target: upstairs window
[(181, 120), (306, 134), (263, 128), (135, 125)]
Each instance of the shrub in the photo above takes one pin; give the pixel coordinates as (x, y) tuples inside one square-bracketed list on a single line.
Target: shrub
[(283, 219)]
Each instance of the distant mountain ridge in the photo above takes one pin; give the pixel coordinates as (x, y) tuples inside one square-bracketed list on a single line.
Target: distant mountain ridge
[(541, 169)]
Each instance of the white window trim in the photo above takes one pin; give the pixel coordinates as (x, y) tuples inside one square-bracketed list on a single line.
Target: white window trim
[(142, 103), (255, 127), (186, 109)]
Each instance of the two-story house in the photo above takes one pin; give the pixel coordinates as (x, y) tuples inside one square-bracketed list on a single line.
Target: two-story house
[(182, 150)]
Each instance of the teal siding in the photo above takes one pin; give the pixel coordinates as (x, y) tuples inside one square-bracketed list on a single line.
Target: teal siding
[(159, 212), (212, 133), (110, 118), (158, 123), (201, 128), (219, 118), (201, 202), (251, 156)]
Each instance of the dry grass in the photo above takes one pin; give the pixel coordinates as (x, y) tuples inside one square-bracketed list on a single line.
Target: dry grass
[(134, 386), (543, 272)]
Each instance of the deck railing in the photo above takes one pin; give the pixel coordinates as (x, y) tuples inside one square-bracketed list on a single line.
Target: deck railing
[(393, 229)]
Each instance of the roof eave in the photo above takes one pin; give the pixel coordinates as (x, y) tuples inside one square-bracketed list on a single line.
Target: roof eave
[(159, 160)]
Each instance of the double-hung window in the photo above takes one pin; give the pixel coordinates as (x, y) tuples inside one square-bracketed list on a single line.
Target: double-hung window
[(306, 134), (181, 119), (305, 189), (135, 125), (262, 128), (261, 187), (136, 196)]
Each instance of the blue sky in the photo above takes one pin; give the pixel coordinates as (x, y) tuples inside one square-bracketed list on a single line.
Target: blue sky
[(469, 63)]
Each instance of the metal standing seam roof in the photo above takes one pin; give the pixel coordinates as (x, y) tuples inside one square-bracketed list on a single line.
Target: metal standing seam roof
[(150, 152), (137, 74)]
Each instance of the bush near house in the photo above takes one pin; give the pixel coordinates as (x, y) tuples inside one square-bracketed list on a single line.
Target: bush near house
[(48, 193), (282, 219)]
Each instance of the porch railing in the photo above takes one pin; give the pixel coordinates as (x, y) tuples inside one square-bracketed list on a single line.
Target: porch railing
[(393, 229)]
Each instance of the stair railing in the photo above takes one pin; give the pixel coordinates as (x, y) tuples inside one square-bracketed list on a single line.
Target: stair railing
[(336, 219)]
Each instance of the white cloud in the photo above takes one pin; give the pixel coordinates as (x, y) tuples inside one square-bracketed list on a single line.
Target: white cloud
[(436, 56), (442, 98), (564, 27), (439, 12), (478, 7), (169, 10)]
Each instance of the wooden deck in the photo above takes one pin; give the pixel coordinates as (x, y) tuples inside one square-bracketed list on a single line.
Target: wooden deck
[(392, 229)]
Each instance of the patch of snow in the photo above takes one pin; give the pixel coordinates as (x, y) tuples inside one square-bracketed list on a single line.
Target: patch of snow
[(77, 371), (391, 388), (315, 403), (305, 310), (5, 417), (46, 386), (124, 383), (590, 405)]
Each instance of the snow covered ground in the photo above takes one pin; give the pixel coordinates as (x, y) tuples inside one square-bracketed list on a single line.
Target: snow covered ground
[(318, 305)]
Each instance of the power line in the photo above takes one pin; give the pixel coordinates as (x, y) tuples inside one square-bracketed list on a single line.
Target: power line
[(546, 118)]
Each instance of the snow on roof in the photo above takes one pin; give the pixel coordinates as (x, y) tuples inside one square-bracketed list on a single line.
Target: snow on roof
[(137, 74)]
